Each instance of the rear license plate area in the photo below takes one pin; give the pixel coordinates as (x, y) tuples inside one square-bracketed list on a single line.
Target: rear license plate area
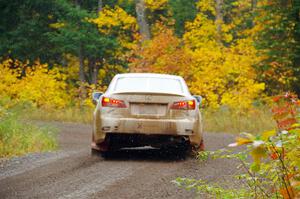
[(148, 109)]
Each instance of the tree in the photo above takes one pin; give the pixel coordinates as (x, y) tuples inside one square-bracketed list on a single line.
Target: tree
[(76, 35), (222, 74), (277, 40), (23, 30), (182, 12), (162, 54)]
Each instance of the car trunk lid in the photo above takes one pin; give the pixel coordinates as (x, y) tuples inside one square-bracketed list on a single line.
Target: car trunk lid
[(150, 105)]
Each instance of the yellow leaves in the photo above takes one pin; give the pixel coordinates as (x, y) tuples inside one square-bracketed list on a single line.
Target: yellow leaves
[(246, 139), (110, 18), (57, 25), (242, 141), (208, 5), (267, 134), (258, 147), (40, 86), (258, 152), (200, 33), (223, 75), (115, 21), (156, 4)]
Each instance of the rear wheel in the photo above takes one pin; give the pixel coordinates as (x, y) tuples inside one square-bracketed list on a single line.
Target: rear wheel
[(177, 151), (181, 152), (101, 149), (95, 152)]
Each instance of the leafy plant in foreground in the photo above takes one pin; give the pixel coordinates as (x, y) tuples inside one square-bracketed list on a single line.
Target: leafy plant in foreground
[(274, 169)]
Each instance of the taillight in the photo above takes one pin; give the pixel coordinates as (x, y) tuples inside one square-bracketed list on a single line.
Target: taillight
[(184, 105), (109, 102)]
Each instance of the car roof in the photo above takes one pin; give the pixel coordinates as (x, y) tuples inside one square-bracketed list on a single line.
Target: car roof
[(148, 75)]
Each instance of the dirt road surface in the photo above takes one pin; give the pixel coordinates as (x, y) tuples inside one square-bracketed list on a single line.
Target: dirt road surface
[(72, 173)]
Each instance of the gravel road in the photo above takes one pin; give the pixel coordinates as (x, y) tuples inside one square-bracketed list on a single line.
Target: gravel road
[(72, 173)]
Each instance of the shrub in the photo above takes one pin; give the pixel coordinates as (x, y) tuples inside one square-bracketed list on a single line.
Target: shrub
[(34, 83), (274, 171)]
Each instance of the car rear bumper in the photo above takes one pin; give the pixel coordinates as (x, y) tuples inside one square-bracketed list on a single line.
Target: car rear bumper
[(148, 126), (174, 127)]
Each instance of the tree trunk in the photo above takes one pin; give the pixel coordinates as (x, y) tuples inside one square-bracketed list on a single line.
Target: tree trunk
[(94, 62), (100, 6), (253, 8), (82, 89), (219, 19), (253, 4), (93, 70), (142, 20)]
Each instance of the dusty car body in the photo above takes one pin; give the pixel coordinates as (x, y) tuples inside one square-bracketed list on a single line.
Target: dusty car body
[(142, 109)]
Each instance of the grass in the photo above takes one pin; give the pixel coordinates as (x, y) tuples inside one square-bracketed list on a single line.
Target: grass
[(222, 120), (253, 121), (70, 114), (18, 137)]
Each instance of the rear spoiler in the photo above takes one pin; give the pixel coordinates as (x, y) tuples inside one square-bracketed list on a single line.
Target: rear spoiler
[(152, 93)]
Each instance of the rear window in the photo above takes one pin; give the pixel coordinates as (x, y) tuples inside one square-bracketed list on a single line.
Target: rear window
[(148, 84)]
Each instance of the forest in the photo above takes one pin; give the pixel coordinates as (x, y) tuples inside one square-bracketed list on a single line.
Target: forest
[(234, 53), (241, 56)]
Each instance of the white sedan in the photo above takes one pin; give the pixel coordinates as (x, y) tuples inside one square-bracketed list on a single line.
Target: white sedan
[(143, 109)]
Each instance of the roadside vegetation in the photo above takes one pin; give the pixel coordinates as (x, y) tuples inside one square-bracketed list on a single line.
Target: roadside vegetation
[(69, 114), (230, 120), (272, 171), (19, 137)]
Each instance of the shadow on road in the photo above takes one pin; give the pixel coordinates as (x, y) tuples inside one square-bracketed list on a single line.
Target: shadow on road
[(146, 155)]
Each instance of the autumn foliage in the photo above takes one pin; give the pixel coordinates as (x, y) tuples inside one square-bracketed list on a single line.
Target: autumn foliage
[(34, 83), (232, 52), (273, 170)]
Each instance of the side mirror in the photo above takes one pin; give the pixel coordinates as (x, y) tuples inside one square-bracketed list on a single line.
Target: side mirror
[(199, 99), (96, 96)]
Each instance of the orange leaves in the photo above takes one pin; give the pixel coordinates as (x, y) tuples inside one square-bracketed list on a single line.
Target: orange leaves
[(284, 111), (286, 123), (287, 192), (162, 54)]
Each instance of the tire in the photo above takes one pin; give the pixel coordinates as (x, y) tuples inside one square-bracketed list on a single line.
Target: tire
[(181, 153), (177, 152), (95, 152)]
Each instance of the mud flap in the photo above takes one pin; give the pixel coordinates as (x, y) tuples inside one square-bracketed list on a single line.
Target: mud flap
[(104, 146), (195, 149)]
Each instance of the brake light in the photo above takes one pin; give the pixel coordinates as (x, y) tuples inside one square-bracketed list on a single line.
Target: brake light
[(109, 102), (184, 105)]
